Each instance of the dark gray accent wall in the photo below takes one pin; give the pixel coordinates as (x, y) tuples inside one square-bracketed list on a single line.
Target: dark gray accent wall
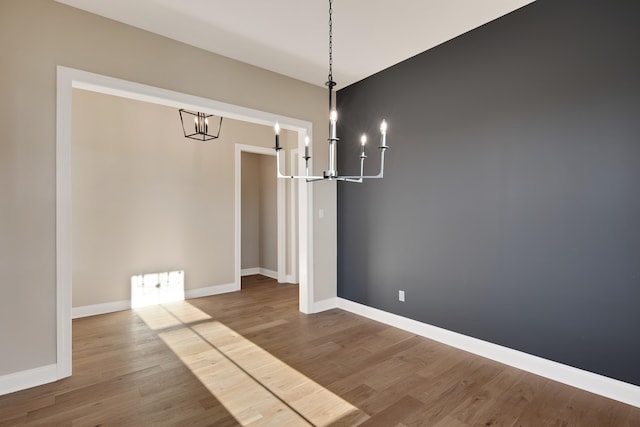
[(510, 207)]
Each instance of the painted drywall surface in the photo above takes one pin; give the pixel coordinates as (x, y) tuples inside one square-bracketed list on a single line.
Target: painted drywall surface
[(48, 34), (510, 207), (268, 213), (250, 194), (324, 235), (146, 199), (259, 210), (291, 188)]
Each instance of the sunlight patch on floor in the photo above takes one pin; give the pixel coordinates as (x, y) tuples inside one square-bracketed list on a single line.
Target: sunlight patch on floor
[(186, 313), (240, 394), (254, 386), (169, 315), (314, 402)]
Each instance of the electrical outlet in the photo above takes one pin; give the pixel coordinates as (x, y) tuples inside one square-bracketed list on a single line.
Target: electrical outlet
[(401, 296)]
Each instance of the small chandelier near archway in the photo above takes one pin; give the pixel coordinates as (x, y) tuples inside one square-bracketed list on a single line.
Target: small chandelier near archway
[(331, 173), (200, 126)]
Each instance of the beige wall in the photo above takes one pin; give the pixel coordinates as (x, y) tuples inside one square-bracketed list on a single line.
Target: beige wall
[(268, 213), (250, 193), (146, 199), (45, 34), (259, 211)]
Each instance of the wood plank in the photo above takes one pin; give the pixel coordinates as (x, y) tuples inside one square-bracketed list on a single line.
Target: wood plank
[(281, 367)]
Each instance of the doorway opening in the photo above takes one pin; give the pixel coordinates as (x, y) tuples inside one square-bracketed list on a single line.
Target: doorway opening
[(259, 213), (67, 79)]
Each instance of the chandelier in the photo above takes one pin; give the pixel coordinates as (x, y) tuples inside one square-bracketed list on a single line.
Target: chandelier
[(331, 173), (195, 125)]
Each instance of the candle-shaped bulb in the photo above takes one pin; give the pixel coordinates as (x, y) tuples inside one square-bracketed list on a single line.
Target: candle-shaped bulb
[(276, 128), (333, 118), (306, 147), (206, 125), (383, 131), (195, 123), (306, 141), (363, 142)]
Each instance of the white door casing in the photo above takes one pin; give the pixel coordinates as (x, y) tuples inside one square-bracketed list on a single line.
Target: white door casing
[(67, 80)]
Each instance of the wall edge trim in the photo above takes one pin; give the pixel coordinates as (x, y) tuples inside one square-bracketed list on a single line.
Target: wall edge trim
[(29, 378), (579, 378)]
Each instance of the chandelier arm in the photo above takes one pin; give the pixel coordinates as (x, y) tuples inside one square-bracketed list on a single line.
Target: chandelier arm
[(356, 178), (278, 149), (281, 175), (359, 178), (307, 176), (347, 178)]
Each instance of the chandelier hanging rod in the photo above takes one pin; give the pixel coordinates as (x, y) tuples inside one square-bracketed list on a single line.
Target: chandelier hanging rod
[(331, 173)]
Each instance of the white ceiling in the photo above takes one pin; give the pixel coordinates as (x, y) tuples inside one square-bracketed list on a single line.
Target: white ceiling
[(290, 37)]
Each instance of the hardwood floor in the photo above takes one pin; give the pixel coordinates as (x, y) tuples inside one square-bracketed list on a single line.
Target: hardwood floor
[(251, 358)]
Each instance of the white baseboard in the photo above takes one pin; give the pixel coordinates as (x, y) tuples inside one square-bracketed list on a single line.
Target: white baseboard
[(211, 290), (250, 271), (111, 307), (594, 383), (259, 270), (325, 304), (95, 309), (290, 279), (269, 273), (26, 379)]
